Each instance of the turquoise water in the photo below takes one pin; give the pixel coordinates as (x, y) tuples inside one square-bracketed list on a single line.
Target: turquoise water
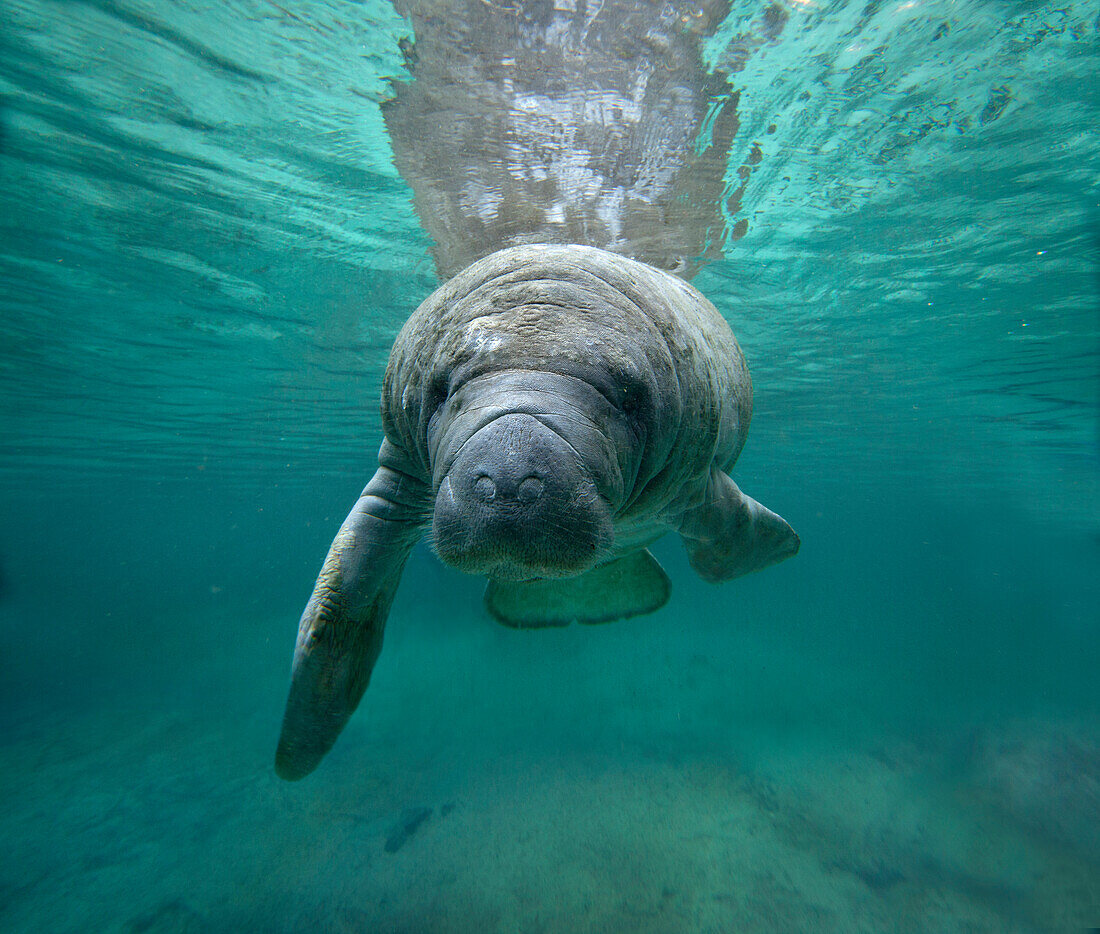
[(206, 253)]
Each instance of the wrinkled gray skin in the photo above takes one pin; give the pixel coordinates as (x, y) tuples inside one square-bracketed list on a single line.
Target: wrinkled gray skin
[(604, 385), (547, 410)]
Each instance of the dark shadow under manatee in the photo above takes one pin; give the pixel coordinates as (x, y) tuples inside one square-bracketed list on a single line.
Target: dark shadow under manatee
[(409, 823)]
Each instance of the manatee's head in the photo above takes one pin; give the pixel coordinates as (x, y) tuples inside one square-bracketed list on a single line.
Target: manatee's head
[(540, 390), (527, 477)]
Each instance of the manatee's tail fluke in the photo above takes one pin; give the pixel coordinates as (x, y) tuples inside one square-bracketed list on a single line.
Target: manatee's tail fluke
[(731, 534), (340, 634)]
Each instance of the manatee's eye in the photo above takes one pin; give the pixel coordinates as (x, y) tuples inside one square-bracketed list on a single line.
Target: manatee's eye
[(632, 396), (436, 393)]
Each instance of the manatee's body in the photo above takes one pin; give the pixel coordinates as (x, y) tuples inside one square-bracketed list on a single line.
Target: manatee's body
[(548, 413), (551, 410)]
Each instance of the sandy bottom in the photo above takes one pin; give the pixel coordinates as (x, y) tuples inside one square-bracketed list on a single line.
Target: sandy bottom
[(612, 779)]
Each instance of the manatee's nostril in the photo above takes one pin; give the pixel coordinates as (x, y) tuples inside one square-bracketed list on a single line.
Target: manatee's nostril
[(530, 488), (485, 488)]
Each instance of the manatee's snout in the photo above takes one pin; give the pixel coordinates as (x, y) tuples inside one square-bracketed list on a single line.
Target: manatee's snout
[(504, 489), (517, 504)]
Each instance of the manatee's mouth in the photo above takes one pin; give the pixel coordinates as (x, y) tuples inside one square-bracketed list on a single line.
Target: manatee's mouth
[(517, 504)]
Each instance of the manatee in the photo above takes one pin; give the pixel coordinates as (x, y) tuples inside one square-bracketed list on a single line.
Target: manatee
[(548, 413)]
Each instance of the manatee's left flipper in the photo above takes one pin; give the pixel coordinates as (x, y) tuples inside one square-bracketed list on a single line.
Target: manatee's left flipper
[(340, 634), (629, 586), (731, 534)]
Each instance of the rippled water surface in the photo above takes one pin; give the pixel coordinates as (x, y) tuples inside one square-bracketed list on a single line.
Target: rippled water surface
[(206, 251)]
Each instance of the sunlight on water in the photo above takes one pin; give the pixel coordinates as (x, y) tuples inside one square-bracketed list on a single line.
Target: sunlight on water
[(168, 196), (208, 241)]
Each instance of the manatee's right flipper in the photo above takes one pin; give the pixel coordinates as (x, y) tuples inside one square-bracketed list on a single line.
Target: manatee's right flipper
[(731, 534), (629, 586), (340, 634)]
